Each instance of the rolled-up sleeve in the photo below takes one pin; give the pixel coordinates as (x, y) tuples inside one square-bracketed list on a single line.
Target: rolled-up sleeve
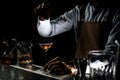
[(44, 27)]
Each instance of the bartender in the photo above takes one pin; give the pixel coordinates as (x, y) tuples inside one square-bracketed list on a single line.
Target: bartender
[(96, 25)]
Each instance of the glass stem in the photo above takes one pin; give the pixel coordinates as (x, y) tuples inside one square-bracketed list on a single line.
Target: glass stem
[(45, 57)]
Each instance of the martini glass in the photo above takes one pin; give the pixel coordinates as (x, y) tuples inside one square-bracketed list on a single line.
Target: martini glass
[(46, 47)]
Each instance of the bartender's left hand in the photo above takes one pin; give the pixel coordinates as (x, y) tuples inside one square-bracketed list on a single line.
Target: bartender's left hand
[(60, 66), (44, 10)]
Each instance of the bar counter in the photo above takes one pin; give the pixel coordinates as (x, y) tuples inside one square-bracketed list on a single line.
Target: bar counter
[(14, 72)]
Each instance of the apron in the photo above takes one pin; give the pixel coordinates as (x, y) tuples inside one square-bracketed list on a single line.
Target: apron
[(92, 36)]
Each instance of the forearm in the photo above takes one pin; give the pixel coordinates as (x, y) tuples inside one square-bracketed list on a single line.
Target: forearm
[(113, 36), (65, 22), (49, 28)]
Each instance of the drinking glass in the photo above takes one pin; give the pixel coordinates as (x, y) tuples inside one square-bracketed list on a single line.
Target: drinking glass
[(45, 46), (24, 55), (81, 65), (5, 58), (102, 65)]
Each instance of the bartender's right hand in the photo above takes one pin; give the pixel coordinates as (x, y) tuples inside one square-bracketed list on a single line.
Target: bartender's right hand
[(60, 66), (43, 10)]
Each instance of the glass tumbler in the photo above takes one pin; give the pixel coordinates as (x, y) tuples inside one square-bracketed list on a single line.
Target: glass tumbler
[(102, 66), (24, 55)]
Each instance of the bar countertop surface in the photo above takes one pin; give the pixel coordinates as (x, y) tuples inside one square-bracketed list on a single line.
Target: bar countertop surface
[(14, 72)]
